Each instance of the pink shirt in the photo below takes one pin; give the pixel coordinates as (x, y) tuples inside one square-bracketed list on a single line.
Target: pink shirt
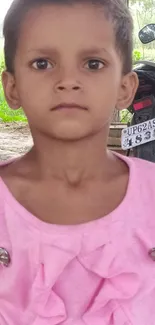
[(99, 273)]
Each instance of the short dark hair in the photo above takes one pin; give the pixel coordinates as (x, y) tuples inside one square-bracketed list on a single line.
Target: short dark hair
[(115, 10)]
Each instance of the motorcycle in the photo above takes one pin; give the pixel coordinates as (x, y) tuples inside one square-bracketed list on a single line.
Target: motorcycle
[(139, 137)]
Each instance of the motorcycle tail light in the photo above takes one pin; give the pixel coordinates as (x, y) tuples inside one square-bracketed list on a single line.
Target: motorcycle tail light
[(147, 102)]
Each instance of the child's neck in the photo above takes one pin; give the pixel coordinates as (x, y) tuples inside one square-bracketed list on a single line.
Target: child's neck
[(73, 162)]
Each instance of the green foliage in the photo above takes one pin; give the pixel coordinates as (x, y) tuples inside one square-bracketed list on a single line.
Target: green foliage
[(125, 116), (2, 63), (137, 55)]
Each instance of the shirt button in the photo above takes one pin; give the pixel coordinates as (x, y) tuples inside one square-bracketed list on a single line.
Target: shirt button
[(152, 253), (4, 257)]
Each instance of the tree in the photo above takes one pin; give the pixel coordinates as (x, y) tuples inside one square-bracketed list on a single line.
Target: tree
[(145, 4), (143, 13)]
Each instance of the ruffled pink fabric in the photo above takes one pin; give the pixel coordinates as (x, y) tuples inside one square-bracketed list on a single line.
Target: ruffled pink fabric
[(98, 273)]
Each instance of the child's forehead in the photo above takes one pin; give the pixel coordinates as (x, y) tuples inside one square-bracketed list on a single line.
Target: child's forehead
[(66, 24)]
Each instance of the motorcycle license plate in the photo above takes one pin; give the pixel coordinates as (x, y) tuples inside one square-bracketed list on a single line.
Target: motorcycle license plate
[(138, 134)]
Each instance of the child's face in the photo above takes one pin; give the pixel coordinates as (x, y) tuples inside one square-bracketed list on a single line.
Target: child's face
[(76, 47)]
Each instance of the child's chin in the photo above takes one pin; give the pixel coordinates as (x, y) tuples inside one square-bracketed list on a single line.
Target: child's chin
[(70, 133)]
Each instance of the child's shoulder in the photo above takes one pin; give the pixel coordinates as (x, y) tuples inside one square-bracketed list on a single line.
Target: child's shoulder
[(144, 164), (141, 185), (141, 169), (4, 165), (4, 190)]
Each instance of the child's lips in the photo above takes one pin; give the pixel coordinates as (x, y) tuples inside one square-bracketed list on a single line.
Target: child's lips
[(69, 106)]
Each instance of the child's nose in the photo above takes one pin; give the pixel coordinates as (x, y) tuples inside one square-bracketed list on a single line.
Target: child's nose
[(68, 85)]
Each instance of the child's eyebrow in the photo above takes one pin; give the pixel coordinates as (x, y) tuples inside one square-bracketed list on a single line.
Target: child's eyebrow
[(82, 52), (44, 51), (94, 51)]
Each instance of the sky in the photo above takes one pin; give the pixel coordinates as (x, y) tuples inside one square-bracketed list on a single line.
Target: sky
[(4, 5)]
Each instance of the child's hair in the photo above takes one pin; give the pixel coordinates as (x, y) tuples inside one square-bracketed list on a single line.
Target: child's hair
[(115, 10)]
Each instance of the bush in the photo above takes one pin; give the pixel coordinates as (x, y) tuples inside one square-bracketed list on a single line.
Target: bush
[(137, 56), (125, 116), (2, 63)]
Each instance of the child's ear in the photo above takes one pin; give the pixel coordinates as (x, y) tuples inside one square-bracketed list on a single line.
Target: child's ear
[(128, 90), (10, 90)]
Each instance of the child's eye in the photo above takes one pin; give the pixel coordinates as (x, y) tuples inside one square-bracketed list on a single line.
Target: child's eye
[(42, 64), (94, 64)]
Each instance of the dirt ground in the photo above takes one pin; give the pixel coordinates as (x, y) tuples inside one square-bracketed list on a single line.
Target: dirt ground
[(15, 140)]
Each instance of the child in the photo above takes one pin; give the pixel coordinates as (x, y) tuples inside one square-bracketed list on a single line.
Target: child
[(77, 226)]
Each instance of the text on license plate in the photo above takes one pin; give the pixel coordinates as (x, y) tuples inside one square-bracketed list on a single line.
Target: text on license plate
[(138, 134)]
